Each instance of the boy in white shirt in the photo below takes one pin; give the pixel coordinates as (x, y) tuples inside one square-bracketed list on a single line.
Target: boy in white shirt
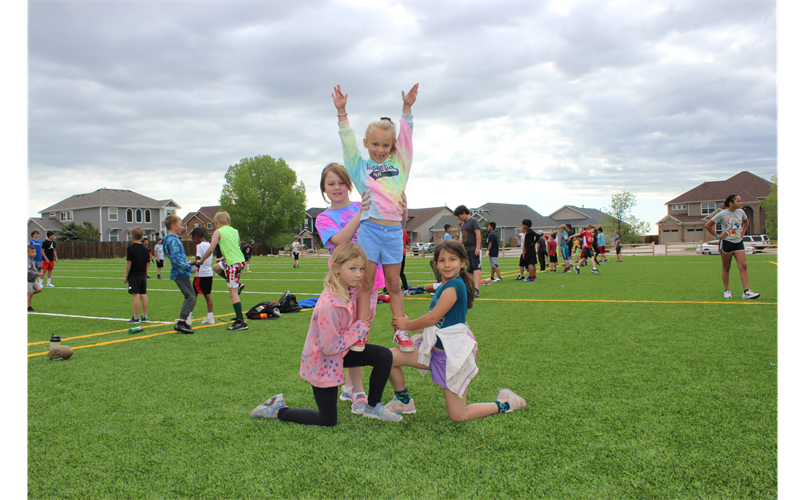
[(203, 281), (159, 254)]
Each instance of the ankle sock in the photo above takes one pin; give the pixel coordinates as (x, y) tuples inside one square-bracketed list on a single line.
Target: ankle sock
[(502, 407), (403, 396)]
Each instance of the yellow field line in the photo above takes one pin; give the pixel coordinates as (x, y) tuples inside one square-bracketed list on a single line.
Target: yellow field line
[(615, 301), (776, 264)]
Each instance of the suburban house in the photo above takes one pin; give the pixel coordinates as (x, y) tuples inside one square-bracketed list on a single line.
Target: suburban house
[(689, 212), (112, 211), (200, 218), (308, 233), (577, 217), (421, 222)]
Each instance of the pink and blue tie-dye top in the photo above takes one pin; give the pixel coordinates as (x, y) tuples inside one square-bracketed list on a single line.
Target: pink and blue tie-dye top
[(332, 221), (385, 182)]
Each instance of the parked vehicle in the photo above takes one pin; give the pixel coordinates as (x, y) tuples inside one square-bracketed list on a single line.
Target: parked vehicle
[(756, 241), (417, 245), (711, 248), (428, 248)]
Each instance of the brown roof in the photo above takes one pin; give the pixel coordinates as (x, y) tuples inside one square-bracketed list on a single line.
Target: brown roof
[(209, 212), (747, 185), (417, 216)]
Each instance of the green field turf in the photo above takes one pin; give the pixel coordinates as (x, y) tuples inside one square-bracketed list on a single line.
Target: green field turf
[(641, 382)]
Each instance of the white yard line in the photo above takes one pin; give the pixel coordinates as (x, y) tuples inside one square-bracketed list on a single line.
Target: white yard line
[(96, 317), (174, 290)]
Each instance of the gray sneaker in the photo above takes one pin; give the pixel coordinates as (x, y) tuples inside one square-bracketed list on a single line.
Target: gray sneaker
[(133, 320), (267, 409), (381, 413)]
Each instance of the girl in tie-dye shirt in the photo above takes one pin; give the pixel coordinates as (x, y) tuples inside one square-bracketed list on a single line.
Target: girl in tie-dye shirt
[(383, 177)]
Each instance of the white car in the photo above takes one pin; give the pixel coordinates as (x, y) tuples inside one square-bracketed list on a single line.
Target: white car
[(711, 248), (757, 241)]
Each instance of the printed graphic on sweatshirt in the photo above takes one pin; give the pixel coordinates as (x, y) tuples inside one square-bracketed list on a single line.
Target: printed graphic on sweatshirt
[(382, 170)]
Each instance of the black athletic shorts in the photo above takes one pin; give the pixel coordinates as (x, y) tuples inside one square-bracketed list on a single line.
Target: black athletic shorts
[(725, 246), (553, 258), (522, 261), (530, 257), (587, 252), (202, 285), (160, 263), (138, 284)]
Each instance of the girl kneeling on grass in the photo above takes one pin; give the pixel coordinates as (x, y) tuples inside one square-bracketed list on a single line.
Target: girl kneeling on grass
[(334, 327), (447, 347)]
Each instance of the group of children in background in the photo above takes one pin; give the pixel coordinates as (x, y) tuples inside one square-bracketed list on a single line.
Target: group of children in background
[(41, 257)]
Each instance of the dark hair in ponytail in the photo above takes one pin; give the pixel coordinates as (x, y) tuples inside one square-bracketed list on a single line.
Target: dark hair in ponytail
[(730, 199), (457, 249)]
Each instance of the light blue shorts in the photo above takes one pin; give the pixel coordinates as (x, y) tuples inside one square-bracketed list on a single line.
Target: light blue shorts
[(382, 244)]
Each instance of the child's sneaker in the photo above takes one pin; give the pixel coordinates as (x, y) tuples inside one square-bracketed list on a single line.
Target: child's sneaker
[(749, 294), (596, 271), (359, 404), (133, 320), (30, 309), (508, 396), (240, 287), (496, 279), (529, 280), (577, 270), (346, 394), (519, 277), (143, 318), (51, 285), (182, 327), (727, 294), (238, 325), (267, 409), (398, 406), (381, 413), (208, 321), (403, 341), (358, 346)]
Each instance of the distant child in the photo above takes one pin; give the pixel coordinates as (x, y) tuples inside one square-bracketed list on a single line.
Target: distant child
[(333, 328), (230, 265), (181, 271), (618, 246), (542, 250), (148, 264), (447, 342), (564, 247), (523, 264), (554, 260), (587, 239), (33, 274), (383, 177), (471, 239), (159, 255), (336, 226), (38, 258), (247, 255), (602, 244), (295, 249), (49, 257), (529, 250), (137, 259), (202, 284), (493, 250), (594, 244), (447, 232)]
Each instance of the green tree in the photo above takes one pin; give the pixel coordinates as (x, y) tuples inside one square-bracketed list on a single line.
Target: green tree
[(619, 218), (264, 200), (73, 232), (769, 205)]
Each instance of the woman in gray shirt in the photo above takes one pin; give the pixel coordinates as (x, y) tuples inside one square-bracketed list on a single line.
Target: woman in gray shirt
[(730, 243)]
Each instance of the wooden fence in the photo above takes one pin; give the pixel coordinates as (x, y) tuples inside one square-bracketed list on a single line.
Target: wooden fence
[(112, 249)]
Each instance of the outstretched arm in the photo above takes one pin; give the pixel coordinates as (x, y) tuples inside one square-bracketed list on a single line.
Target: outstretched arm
[(340, 101)]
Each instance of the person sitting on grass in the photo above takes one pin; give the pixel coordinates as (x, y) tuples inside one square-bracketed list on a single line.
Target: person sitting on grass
[(137, 258), (181, 271), (447, 348)]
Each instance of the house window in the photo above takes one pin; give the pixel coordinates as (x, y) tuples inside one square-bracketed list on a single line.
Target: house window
[(147, 216), (708, 208), (170, 211), (138, 215), (719, 229), (209, 226), (129, 215), (678, 207), (67, 216), (112, 213), (114, 235), (195, 226)]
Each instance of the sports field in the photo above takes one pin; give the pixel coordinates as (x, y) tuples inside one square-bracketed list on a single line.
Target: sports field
[(641, 382)]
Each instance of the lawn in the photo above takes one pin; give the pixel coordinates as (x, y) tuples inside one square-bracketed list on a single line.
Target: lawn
[(641, 382)]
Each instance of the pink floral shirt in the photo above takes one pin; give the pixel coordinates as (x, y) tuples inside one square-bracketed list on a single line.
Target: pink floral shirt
[(333, 328)]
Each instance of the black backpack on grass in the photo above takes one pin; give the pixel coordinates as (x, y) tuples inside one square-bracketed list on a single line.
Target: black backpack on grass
[(264, 310), (288, 304)]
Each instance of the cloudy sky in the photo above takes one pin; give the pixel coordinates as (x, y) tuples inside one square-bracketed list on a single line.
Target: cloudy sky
[(540, 103)]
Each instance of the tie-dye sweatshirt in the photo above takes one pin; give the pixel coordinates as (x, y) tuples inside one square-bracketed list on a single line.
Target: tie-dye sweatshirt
[(174, 249), (385, 182), (332, 221)]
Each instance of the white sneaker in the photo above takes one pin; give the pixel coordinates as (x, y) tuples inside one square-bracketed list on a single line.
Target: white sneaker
[(727, 294), (496, 279), (51, 285), (381, 413), (749, 294), (208, 321)]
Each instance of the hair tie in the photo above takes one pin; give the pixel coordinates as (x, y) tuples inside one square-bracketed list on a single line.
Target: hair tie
[(385, 118)]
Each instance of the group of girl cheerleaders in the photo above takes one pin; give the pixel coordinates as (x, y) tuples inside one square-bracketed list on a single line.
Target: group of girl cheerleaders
[(366, 244)]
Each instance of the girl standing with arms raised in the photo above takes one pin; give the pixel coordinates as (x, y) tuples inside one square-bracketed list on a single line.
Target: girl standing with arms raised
[(730, 243), (384, 177), (448, 348)]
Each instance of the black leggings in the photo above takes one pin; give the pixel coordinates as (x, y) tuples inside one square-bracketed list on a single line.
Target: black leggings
[(378, 357), (402, 274)]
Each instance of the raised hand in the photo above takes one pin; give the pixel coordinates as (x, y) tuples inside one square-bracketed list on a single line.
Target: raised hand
[(365, 201), (410, 98), (340, 99)]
